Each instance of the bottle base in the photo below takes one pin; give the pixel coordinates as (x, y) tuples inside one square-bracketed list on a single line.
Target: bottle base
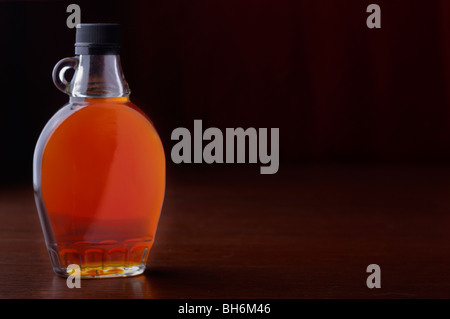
[(105, 272)]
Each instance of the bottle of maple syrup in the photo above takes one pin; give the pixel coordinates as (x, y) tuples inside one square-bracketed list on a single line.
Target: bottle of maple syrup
[(99, 166)]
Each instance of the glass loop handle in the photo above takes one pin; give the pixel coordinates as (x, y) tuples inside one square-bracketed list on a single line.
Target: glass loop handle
[(59, 73)]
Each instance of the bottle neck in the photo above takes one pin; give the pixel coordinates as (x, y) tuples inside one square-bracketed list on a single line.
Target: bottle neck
[(99, 76)]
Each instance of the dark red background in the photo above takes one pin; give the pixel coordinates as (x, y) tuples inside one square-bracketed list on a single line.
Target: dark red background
[(337, 90)]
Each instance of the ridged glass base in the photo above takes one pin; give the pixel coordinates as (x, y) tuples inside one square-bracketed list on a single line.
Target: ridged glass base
[(109, 272), (104, 259)]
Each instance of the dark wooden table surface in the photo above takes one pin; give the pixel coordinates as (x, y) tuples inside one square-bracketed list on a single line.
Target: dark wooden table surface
[(306, 232)]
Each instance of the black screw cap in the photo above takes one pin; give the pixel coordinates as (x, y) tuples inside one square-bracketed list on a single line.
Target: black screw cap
[(98, 38)]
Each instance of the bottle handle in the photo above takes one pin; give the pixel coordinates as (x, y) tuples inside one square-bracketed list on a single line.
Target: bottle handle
[(59, 72)]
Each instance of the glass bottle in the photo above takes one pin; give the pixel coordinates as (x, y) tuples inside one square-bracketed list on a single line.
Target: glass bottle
[(99, 166)]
